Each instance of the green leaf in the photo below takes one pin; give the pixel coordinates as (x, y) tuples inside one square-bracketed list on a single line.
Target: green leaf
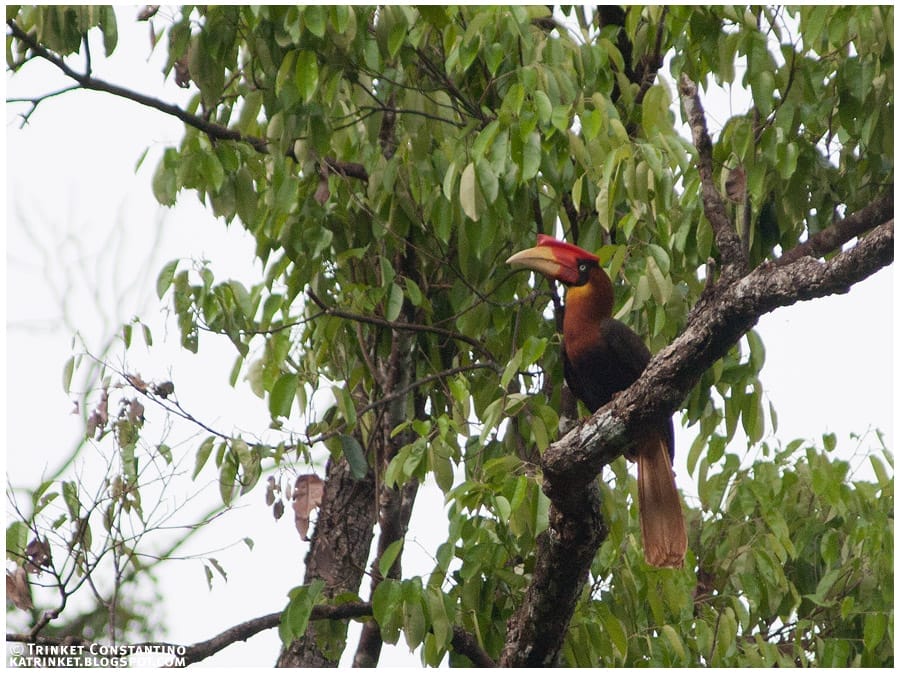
[(675, 642), (387, 600), (386, 561), (874, 628), (108, 27), (438, 616), (245, 197), (355, 455), (413, 613), (165, 451), (394, 303), (881, 474), (307, 74), (17, 534), (314, 19), (295, 617), (165, 186), (282, 395), (203, 453), (468, 198), (70, 497), (531, 156), (487, 180), (227, 477), (762, 86), (449, 181), (165, 277), (207, 71), (542, 106), (655, 110), (68, 370), (615, 631)]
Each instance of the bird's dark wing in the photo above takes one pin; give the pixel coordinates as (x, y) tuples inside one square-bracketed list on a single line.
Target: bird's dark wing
[(612, 364)]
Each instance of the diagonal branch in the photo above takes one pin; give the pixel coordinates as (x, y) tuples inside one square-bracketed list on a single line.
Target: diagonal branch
[(839, 233), (714, 326), (87, 81)]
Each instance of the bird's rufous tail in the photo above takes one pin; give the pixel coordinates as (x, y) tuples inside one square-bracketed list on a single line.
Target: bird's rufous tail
[(662, 522)]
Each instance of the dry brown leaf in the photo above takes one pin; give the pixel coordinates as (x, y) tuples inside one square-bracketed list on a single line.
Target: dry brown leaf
[(182, 73), (736, 184), (308, 490), (137, 382), (148, 12), (278, 509), (38, 554), (322, 191), (135, 411), (164, 389), (18, 590), (270, 492)]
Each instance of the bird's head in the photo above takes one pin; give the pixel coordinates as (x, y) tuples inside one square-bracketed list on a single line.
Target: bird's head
[(558, 260)]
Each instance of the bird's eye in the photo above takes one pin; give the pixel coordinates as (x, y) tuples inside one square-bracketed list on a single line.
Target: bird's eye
[(582, 267)]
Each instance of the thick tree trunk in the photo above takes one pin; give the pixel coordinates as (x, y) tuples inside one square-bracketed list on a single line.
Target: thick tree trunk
[(338, 552), (564, 554)]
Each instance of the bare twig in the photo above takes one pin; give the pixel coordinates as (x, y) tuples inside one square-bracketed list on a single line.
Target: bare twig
[(38, 100)]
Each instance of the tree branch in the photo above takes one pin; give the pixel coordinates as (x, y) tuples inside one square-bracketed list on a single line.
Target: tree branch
[(713, 327), (734, 262), (839, 233), (199, 651), (653, 62), (465, 643), (565, 550), (213, 130), (399, 325), (87, 81)]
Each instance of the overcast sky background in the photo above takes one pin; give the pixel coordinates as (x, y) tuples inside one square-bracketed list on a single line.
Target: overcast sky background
[(81, 227)]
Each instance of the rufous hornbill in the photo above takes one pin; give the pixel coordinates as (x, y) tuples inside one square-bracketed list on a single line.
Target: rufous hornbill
[(601, 357)]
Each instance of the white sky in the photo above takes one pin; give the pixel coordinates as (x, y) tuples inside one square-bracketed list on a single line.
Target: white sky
[(79, 225)]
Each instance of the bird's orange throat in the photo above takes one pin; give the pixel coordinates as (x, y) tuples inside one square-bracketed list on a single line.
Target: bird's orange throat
[(586, 308)]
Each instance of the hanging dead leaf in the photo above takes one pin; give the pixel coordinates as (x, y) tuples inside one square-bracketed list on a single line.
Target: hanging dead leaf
[(18, 590), (270, 491), (137, 382), (148, 12), (322, 192), (308, 490), (135, 411), (164, 389), (736, 184), (182, 73), (38, 554), (278, 509)]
